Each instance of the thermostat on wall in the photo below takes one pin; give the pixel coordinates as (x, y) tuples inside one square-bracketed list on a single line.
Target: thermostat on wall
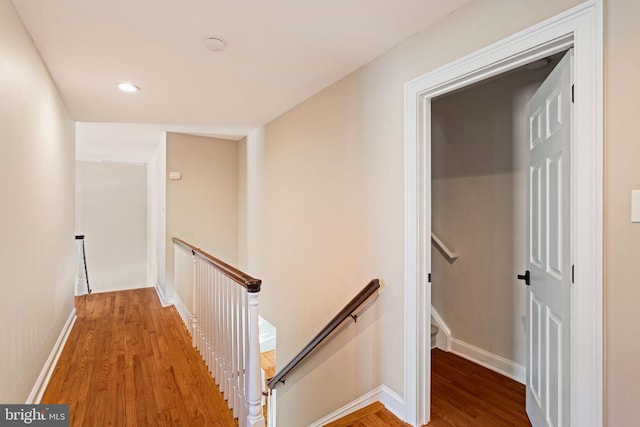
[(175, 175)]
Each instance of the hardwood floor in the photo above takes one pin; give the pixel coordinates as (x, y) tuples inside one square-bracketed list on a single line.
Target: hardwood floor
[(374, 415), (268, 363), (466, 394), (129, 362), (463, 394)]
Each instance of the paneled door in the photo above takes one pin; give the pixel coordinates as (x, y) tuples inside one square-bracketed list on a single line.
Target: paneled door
[(549, 267)]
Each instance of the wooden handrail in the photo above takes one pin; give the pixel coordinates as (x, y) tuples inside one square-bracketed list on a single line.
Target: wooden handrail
[(347, 311), (444, 248), (252, 285)]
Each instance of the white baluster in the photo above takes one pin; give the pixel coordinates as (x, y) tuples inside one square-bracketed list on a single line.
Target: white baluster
[(254, 390), (218, 330), (227, 342), (208, 334), (244, 339), (222, 318), (203, 312), (213, 324), (238, 350), (232, 348), (224, 348), (194, 302)]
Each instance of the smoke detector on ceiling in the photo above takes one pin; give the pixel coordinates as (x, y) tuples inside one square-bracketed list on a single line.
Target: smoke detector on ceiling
[(215, 44)]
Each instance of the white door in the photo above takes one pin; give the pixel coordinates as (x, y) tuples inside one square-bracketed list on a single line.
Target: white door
[(548, 346)]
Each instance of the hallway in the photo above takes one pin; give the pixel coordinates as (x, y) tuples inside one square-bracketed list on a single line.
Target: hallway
[(129, 362)]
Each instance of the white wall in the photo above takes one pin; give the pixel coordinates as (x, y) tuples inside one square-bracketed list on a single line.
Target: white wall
[(251, 202), (480, 161), (202, 207), (111, 212), (156, 217), (36, 220), (332, 213)]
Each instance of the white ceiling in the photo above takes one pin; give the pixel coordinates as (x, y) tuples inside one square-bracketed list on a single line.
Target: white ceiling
[(279, 52)]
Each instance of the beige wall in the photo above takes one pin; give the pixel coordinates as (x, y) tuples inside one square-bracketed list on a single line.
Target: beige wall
[(202, 206), (111, 212), (479, 208), (333, 213), (622, 238), (36, 219)]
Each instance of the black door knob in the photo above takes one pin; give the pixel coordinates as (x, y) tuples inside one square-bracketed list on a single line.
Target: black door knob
[(526, 277)]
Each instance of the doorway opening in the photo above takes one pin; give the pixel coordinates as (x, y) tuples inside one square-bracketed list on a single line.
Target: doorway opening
[(479, 209), (581, 28)]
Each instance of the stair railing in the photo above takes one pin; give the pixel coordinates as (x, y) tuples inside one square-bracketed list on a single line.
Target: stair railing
[(451, 255), (219, 305), (347, 311)]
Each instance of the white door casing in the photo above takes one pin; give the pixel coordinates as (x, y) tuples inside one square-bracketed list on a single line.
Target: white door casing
[(582, 28), (549, 299)]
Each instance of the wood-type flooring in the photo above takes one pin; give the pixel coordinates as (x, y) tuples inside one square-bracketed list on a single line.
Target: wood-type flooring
[(374, 415), (466, 394), (129, 362), (463, 394)]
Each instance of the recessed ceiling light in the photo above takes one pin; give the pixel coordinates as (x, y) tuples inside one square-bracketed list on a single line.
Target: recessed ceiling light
[(215, 44), (128, 87)]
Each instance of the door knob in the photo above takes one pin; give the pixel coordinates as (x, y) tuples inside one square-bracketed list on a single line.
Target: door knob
[(526, 277)]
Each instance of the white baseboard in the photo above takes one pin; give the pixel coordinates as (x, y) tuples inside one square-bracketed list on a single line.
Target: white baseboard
[(443, 339), (47, 370), (163, 300), (383, 394), (489, 360)]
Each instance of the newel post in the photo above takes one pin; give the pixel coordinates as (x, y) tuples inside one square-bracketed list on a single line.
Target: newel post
[(253, 390)]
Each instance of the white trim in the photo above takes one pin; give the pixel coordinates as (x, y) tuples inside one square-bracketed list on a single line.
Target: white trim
[(165, 302), (50, 365), (581, 27), (383, 394), (443, 339), (492, 361), (272, 410)]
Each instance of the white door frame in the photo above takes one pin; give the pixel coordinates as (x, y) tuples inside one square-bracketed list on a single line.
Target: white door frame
[(580, 27)]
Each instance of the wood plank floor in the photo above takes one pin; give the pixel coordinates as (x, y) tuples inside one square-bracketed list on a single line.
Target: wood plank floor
[(463, 394), (268, 363), (129, 362), (374, 415), (466, 394)]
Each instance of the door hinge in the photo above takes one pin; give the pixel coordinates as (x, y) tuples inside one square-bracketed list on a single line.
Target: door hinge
[(429, 278), (573, 93), (573, 273)]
